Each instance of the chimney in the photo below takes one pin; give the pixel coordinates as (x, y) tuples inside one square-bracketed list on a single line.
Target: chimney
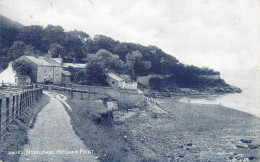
[(49, 54)]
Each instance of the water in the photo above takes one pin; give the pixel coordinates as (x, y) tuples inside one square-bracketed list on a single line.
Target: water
[(247, 101)]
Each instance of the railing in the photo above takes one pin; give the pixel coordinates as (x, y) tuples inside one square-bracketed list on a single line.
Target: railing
[(13, 104), (11, 85), (74, 92)]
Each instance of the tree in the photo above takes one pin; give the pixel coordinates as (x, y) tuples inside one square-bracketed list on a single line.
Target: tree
[(57, 50), (22, 67), (135, 65), (16, 50), (95, 74), (106, 60)]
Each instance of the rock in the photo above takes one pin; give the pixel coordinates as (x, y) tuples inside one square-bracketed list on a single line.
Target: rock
[(119, 122), (96, 118), (104, 118), (252, 146), (126, 149), (189, 144), (181, 155), (246, 141), (154, 116), (251, 157), (230, 157), (240, 146)]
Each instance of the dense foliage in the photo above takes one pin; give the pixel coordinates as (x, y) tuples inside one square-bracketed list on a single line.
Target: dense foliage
[(77, 46), (22, 67)]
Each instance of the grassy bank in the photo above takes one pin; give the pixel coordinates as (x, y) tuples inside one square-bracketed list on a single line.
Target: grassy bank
[(168, 131), (16, 136)]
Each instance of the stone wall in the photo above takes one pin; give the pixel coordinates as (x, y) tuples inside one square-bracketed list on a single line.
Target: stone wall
[(13, 104), (123, 96), (145, 79), (49, 73), (210, 76)]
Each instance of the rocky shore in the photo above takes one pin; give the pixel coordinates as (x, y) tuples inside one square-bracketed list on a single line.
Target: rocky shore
[(193, 91), (168, 130)]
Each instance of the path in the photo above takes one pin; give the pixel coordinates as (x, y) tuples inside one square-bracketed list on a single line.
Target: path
[(54, 138)]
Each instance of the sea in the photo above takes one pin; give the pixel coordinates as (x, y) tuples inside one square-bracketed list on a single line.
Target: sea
[(248, 101)]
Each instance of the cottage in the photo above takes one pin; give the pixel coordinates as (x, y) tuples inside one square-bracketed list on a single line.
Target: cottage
[(114, 81), (44, 69), (118, 82)]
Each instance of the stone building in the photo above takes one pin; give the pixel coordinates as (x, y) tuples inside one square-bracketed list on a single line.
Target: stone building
[(116, 81), (44, 69), (20, 80)]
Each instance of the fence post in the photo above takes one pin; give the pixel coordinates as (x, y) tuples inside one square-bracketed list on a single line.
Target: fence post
[(11, 106), (49, 88), (14, 105), (17, 105), (21, 104), (36, 95), (1, 116), (6, 110), (71, 93), (31, 98), (25, 99)]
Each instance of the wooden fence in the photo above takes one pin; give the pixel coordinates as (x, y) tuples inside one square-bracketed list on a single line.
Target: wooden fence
[(13, 104)]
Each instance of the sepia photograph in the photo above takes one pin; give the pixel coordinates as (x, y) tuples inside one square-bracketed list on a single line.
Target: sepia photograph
[(129, 80)]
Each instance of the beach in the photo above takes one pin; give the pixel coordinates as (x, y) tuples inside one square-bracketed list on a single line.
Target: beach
[(169, 130), (248, 101)]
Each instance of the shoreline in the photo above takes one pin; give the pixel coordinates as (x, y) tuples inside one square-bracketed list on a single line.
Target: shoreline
[(180, 131), (213, 100)]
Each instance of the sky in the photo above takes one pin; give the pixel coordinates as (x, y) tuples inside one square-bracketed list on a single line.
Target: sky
[(220, 34)]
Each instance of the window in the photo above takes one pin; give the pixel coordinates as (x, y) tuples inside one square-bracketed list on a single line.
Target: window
[(113, 82), (45, 70)]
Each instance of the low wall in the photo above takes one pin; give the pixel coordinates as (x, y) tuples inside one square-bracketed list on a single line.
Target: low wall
[(123, 96), (210, 76), (145, 79), (13, 104)]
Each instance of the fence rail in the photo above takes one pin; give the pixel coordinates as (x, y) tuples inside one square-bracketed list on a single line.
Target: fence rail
[(13, 104)]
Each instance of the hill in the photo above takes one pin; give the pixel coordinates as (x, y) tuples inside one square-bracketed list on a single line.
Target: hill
[(77, 46)]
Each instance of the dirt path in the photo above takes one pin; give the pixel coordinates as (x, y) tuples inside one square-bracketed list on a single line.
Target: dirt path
[(53, 138)]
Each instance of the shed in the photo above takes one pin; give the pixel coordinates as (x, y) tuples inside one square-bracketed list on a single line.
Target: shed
[(115, 81), (65, 77), (20, 80)]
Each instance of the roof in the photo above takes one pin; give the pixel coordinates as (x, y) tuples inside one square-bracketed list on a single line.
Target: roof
[(58, 60), (42, 61), (114, 76), (37, 61), (64, 72), (78, 66), (24, 77), (51, 62)]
